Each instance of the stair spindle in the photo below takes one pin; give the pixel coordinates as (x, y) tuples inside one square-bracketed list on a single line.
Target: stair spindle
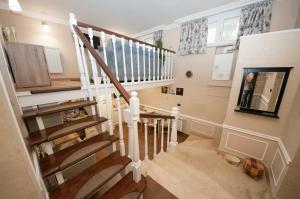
[(158, 64), (154, 77), (146, 139), (115, 57), (102, 36), (165, 64), (162, 135), (149, 64), (124, 59), (168, 134), (95, 73), (172, 57), (138, 60), (162, 64), (144, 62), (131, 61), (155, 141), (87, 78)]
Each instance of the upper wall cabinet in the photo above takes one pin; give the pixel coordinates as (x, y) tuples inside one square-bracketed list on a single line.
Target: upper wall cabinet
[(28, 64), (53, 60)]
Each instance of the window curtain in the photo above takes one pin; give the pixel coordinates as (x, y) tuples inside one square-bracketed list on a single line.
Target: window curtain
[(255, 19), (157, 35), (193, 37)]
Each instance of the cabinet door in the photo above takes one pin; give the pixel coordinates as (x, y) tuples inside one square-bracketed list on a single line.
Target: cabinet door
[(28, 65)]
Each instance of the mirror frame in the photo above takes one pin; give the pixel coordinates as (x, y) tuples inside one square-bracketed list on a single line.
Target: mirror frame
[(273, 114)]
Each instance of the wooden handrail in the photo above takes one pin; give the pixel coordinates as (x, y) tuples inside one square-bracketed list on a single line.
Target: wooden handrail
[(157, 116), (84, 25), (101, 63)]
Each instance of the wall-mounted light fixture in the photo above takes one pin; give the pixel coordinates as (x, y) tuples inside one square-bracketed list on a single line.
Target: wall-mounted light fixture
[(14, 5), (46, 27)]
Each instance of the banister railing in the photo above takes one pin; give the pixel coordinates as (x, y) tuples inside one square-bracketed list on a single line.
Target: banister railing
[(102, 74), (101, 63), (85, 25)]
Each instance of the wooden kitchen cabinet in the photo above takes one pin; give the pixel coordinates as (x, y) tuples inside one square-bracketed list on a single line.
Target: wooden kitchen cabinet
[(28, 64)]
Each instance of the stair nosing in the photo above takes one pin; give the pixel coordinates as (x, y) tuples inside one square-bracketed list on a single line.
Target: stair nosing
[(42, 136), (59, 167), (43, 111), (114, 157), (119, 184)]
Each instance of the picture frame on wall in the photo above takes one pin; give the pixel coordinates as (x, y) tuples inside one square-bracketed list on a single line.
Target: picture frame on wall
[(164, 89), (179, 91), (172, 90)]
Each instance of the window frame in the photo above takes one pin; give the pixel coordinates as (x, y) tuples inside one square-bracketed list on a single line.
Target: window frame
[(219, 19)]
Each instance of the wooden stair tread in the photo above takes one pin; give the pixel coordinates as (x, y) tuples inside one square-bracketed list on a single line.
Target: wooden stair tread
[(61, 130), (50, 90), (86, 182), (71, 155), (56, 108), (125, 186)]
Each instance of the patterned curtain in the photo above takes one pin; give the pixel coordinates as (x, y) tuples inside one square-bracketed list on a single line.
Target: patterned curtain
[(157, 35), (255, 19), (193, 37)]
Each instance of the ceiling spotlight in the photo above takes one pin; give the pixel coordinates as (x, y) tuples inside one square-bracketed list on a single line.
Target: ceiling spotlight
[(14, 5), (46, 27)]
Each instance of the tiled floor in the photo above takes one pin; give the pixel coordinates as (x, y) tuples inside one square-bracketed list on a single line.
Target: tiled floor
[(195, 170)]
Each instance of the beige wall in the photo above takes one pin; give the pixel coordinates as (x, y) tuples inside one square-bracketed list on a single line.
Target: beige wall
[(16, 173), (284, 14), (29, 30), (203, 98)]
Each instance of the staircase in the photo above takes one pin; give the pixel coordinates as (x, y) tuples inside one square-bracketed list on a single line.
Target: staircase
[(50, 164), (87, 182)]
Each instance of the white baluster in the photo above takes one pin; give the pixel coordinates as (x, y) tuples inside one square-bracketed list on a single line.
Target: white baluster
[(73, 21), (149, 64), (138, 60), (102, 36), (95, 73), (134, 103), (47, 147), (162, 135), (172, 57), (158, 63), (173, 142), (154, 77), (155, 140), (162, 65), (115, 57), (124, 59), (106, 91), (146, 139), (128, 120), (168, 135), (165, 64), (86, 71), (131, 61), (144, 62), (121, 136), (169, 65)]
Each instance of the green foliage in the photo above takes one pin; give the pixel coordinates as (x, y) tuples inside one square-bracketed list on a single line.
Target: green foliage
[(159, 44)]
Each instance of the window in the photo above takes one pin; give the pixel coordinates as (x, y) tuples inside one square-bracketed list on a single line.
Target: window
[(223, 28), (230, 29), (212, 30)]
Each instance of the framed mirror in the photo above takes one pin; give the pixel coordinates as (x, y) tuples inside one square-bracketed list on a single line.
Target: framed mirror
[(262, 90)]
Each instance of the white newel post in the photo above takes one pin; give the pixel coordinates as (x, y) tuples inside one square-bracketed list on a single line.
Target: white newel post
[(173, 142), (134, 103), (120, 122), (73, 21)]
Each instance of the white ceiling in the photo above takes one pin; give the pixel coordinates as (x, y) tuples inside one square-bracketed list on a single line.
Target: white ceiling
[(126, 16)]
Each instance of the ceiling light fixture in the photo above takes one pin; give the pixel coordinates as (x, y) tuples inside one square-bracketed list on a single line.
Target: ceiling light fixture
[(46, 27), (14, 5)]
